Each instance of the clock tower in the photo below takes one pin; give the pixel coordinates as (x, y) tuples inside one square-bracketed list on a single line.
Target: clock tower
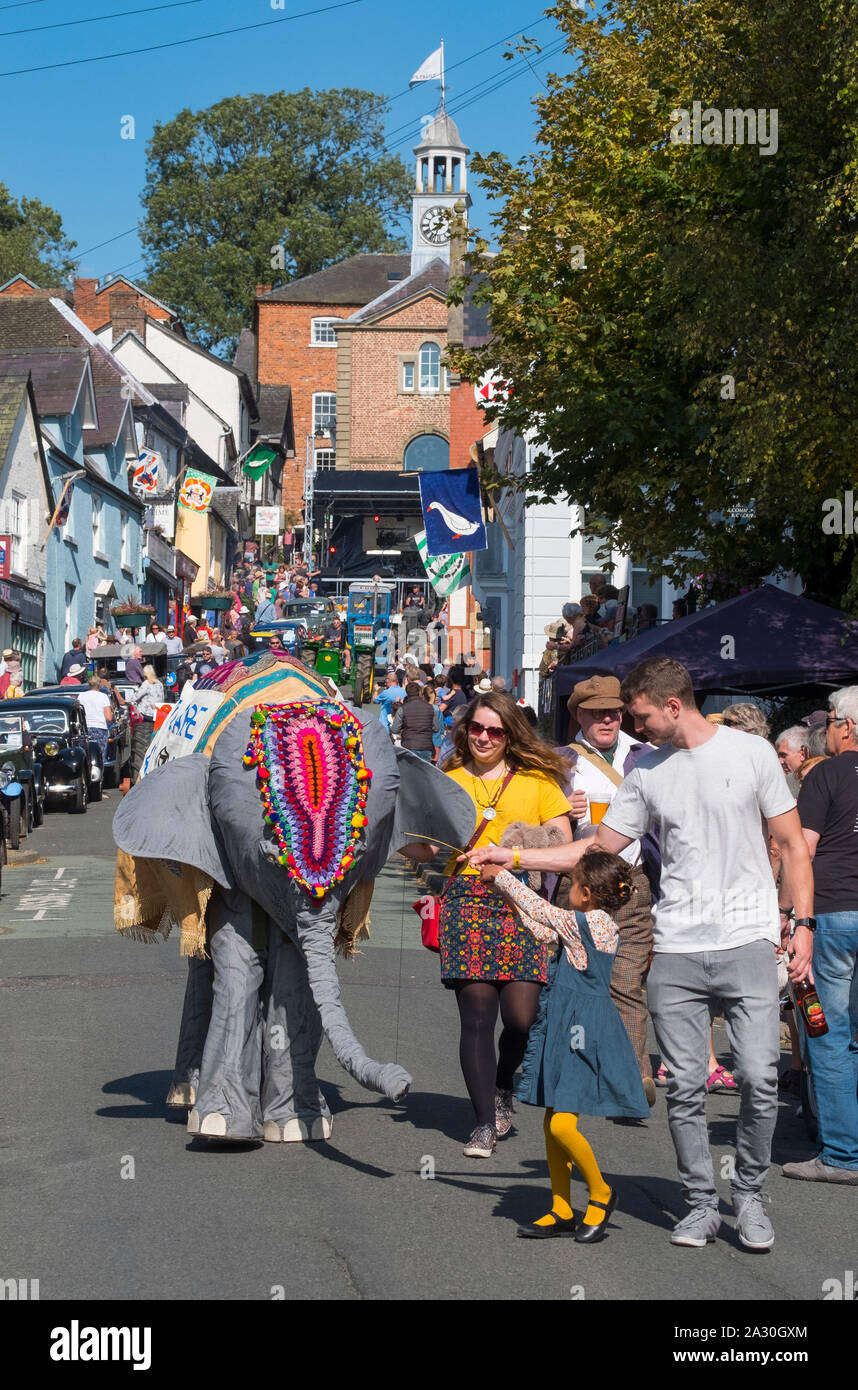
[(442, 181)]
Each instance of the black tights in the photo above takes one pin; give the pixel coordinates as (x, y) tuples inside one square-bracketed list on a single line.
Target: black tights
[(478, 1002)]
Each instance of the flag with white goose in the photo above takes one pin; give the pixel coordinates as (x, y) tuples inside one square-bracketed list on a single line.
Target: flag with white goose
[(452, 511), (446, 573)]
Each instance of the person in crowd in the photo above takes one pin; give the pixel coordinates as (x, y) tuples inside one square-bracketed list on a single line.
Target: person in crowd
[(550, 656), (205, 631), (715, 925), (75, 674), (602, 754), (95, 637), (415, 722), (145, 701), (184, 673), (680, 608), (204, 662), (429, 694), (608, 607), (817, 742), (217, 648), (99, 712), (265, 609), (597, 584), (281, 600), (457, 696), (596, 1073), (75, 656), (389, 696), (156, 632), (173, 643), (12, 678), (748, 717), (791, 748), (646, 616), (189, 634), (449, 724), (483, 686), (828, 807), (499, 685), (412, 669), (489, 961), (529, 713), (134, 666), (336, 636)]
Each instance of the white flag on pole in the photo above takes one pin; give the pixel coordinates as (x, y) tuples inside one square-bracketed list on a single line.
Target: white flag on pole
[(429, 70)]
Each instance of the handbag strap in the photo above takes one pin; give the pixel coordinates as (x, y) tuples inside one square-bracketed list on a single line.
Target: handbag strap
[(479, 830), (601, 763)]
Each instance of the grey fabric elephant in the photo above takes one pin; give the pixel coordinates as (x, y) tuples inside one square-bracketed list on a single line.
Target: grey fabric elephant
[(271, 989)]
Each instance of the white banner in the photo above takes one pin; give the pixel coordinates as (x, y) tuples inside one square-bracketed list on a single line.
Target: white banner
[(269, 521), (180, 735)]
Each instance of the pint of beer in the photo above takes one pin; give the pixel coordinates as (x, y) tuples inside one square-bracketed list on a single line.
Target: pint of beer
[(597, 810)]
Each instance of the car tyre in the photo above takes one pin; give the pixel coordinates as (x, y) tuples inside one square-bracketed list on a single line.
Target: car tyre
[(38, 811), (80, 799), (15, 823), (95, 789)]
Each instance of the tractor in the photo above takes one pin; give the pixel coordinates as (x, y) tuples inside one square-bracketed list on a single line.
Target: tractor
[(367, 626)]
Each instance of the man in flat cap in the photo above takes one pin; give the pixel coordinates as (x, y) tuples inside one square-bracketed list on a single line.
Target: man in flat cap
[(604, 755)]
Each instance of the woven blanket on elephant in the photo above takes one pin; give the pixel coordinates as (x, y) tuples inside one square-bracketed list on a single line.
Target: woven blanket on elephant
[(151, 896)]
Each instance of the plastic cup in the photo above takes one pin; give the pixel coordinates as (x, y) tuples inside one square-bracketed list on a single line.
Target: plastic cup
[(597, 810)]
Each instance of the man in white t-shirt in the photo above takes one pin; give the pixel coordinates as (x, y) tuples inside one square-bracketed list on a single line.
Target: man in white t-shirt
[(99, 713), (716, 926)]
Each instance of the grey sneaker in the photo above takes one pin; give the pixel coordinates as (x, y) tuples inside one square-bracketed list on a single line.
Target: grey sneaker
[(814, 1170), (503, 1113), (752, 1220), (482, 1143), (702, 1224)]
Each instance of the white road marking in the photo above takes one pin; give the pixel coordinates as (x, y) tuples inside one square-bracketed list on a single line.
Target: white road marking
[(59, 873), (38, 902)]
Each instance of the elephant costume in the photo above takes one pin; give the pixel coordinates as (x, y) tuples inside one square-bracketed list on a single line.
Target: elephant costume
[(202, 843)]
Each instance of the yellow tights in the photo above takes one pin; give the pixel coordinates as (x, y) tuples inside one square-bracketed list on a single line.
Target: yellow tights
[(565, 1145)]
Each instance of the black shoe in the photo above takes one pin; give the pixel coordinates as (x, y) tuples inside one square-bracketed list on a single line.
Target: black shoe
[(588, 1235), (563, 1226)]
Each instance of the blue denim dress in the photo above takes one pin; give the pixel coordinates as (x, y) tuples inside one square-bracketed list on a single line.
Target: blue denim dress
[(579, 1058)]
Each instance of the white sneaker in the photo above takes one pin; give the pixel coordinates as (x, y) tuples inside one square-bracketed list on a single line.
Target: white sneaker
[(752, 1220)]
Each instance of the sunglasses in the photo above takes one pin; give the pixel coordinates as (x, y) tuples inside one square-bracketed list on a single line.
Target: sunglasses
[(832, 719), (475, 728)]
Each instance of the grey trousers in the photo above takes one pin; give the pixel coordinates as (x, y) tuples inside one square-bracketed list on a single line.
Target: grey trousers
[(683, 991)]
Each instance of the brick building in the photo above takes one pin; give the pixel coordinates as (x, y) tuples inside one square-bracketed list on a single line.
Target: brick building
[(94, 303)]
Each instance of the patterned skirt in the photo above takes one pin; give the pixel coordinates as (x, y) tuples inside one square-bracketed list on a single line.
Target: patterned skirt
[(481, 938)]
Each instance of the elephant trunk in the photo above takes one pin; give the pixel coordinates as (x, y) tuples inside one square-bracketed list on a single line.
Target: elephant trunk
[(316, 938)]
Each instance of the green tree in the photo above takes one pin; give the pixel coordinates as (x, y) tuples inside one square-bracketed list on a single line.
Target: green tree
[(32, 241), (679, 319), (264, 189)]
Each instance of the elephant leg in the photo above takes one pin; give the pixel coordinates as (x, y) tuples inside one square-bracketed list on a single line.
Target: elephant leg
[(227, 1104), (196, 1016), (293, 1107)]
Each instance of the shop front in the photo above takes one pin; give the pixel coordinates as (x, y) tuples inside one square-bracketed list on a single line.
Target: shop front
[(26, 607)]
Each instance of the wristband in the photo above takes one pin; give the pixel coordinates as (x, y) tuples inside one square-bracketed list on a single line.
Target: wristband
[(516, 859)]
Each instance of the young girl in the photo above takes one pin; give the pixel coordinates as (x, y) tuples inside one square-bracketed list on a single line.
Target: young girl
[(579, 1059)]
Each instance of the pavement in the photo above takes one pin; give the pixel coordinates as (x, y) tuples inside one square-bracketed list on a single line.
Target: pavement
[(103, 1195)]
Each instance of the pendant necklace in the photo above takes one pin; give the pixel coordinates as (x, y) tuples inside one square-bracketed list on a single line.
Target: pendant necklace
[(488, 807)]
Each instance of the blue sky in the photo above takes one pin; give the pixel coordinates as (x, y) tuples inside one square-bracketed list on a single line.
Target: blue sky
[(60, 128)]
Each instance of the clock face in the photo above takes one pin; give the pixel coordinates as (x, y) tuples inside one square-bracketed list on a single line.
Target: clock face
[(434, 226)]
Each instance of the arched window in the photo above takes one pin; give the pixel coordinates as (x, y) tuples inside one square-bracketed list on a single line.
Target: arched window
[(430, 367), (429, 452)]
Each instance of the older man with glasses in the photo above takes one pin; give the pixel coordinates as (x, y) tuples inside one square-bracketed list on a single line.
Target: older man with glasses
[(828, 808), (603, 755)]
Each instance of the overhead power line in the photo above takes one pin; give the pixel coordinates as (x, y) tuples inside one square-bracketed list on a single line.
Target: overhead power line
[(181, 43), (97, 18)]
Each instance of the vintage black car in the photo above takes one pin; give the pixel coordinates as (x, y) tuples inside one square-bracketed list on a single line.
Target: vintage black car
[(22, 787), (117, 762), (71, 761)]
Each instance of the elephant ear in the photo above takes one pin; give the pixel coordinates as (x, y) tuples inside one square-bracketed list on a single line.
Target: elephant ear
[(166, 816), (429, 803)]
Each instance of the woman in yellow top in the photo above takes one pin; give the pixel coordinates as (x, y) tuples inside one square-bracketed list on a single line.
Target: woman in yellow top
[(490, 960)]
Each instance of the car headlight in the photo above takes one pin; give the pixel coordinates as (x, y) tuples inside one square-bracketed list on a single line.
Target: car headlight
[(8, 768), (52, 749)]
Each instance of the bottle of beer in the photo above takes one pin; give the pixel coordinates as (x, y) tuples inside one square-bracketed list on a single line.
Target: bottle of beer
[(807, 1000)]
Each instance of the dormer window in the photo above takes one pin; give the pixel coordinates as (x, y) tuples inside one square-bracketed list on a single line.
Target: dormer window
[(323, 332)]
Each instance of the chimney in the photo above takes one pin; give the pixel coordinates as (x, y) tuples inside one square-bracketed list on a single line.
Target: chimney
[(85, 302), (262, 289), (126, 313)]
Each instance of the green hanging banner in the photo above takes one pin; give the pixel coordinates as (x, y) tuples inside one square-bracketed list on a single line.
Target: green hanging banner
[(258, 461)]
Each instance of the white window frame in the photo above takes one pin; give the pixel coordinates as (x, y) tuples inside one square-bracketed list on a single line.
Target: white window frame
[(409, 366), (424, 389), (19, 539), (97, 525), (319, 327), (69, 624), (318, 397), (329, 456), (123, 553)]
